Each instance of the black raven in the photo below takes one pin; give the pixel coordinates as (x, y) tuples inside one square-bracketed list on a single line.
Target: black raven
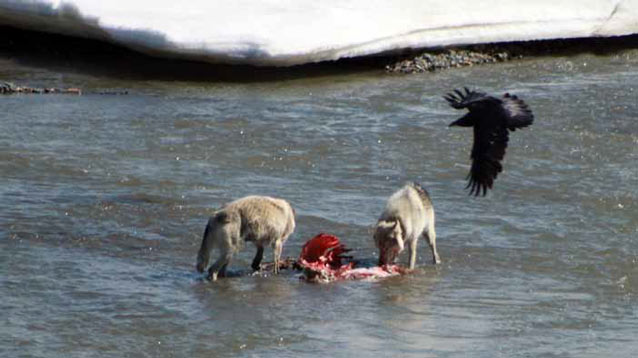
[(491, 118)]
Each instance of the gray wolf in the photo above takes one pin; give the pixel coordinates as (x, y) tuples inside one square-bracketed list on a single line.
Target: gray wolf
[(408, 215)]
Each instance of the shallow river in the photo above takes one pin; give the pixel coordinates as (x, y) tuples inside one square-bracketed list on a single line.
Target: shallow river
[(104, 198)]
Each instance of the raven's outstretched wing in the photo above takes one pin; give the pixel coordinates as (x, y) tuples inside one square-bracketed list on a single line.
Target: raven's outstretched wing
[(517, 113), (459, 100)]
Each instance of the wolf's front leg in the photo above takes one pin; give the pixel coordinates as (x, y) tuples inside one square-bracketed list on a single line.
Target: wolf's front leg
[(219, 267), (412, 253)]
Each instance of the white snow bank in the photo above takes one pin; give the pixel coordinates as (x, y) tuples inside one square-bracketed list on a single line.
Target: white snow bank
[(289, 32)]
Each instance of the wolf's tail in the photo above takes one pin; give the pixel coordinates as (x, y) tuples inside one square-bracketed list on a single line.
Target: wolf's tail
[(204, 250)]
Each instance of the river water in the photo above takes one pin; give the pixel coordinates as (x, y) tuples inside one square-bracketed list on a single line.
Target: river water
[(104, 199)]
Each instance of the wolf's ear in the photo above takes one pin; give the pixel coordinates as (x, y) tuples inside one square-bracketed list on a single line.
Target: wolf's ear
[(222, 217)]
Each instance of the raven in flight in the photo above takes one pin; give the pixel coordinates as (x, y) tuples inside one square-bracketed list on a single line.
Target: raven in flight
[(491, 118)]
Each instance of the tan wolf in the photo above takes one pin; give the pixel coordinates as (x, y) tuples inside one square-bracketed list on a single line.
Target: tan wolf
[(260, 219)]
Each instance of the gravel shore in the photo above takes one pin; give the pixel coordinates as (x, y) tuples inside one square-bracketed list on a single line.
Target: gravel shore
[(10, 88), (432, 61), (443, 58)]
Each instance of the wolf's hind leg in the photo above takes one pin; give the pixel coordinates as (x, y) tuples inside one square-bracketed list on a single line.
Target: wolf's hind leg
[(276, 253), (257, 260), (431, 236)]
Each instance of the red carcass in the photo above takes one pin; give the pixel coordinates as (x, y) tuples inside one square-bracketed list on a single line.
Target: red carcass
[(322, 261)]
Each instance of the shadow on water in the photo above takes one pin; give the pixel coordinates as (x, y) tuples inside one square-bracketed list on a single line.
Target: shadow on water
[(97, 57)]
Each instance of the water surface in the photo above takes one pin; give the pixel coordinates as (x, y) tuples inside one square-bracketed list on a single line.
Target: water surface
[(104, 200)]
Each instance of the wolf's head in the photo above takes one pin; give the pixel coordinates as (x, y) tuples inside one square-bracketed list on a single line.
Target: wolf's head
[(214, 228), (388, 237)]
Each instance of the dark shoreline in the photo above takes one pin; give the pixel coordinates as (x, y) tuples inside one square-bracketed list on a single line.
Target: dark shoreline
[(74, 54)]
